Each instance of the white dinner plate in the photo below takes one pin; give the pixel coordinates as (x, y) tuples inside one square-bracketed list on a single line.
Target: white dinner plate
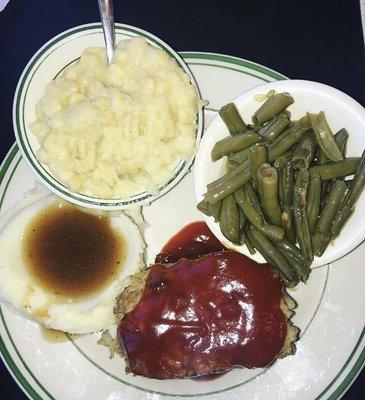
[(331, 312), (340, 110)]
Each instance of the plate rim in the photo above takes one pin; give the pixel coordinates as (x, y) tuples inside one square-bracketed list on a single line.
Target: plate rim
[(340, 388)]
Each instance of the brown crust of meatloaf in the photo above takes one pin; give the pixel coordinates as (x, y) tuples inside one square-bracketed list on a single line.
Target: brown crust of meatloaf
[(130, 297)]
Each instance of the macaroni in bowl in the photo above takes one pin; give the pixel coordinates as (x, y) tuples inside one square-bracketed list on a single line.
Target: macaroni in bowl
[(111, 131)]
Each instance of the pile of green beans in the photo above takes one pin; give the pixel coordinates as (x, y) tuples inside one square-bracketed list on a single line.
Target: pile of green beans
[(284, 193)]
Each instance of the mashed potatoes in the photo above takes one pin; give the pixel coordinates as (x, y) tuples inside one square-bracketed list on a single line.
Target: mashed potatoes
[(24, 294), (114, 131)]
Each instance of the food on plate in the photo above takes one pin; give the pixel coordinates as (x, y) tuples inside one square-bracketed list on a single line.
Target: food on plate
[(205, 314), (63, 266), (116, 130), (287, 178)]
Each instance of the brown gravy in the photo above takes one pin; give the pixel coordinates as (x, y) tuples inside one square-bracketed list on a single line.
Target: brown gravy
[(70, 252)]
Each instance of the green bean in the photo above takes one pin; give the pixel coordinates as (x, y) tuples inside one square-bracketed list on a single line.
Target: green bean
[(216, 210), (253, 199), (325, 136), (257, 245), (272, 107), (331, 206), (287, 216), (243, 219), (272, 231), (249, 245), (357, 184), (280, 185), (314, 200), (256, 157), (289, 248), (335, 170), (295, 258), (287, 139), (354, 192), (285, 113), (231, 165), (268, 183), (227, 184), (274, 127), (229, 219), (300, 214), (288, 183), (240, 156), (242, 237), (273, 256), (320, 243), (229, 175), (232, 144), (283, 159), (204, 207), (341, 138), (322, 159), (254, 127), (232, 119), (304, 151)]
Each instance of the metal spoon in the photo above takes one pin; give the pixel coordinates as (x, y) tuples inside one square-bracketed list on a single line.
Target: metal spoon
[(107, 20)]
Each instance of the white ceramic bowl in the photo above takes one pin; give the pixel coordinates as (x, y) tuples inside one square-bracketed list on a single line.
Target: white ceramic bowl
[(341, 111), (49, 61)]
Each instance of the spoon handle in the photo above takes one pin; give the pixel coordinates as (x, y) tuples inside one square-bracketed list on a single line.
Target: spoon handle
[(107, 20)]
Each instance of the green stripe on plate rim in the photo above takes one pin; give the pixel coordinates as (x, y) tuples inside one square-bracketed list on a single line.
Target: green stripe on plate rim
[(237, 385), (20, 129), (343, 386), (3, 171)]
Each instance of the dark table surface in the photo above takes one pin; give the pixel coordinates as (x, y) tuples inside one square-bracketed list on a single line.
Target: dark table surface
[(311, 39)]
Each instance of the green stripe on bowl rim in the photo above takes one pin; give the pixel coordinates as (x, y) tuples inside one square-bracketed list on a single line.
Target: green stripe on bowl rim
[(21, 130)]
